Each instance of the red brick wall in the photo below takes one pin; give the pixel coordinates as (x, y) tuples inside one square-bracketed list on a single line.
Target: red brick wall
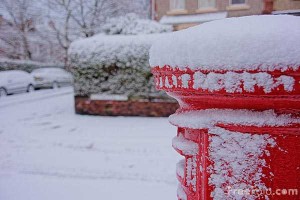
[(83, 105), (286, 4), (256, 7), (191, 5), (162, 7)]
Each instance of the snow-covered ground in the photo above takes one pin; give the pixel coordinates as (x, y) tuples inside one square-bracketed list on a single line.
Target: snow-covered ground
[(47, 152)]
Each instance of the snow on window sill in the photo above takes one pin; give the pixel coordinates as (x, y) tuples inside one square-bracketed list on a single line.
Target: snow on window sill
[(238, 7), (206, 10), (177, 12)]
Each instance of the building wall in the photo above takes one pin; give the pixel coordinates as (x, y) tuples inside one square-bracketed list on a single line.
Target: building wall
[(252, 7), (161, 7), (286, 4)]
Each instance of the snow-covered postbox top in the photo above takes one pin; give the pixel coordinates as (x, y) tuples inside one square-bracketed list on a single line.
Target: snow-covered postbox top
[(247, 62)]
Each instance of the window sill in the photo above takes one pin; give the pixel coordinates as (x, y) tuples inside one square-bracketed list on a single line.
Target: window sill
[(206, 10), (238, 7), (177, 12)]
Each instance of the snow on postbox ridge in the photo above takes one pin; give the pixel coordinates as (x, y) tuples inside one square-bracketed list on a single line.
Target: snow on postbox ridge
[(264, 43)]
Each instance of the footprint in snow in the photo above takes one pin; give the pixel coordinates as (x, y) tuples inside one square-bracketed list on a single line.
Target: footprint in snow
[(72, 130), (56, 127)]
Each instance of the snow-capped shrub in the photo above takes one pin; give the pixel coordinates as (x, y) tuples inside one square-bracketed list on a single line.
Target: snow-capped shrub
[(131, 24), (25, 65), (113, 65)]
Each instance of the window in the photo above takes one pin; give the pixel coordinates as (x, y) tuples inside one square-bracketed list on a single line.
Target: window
[(177, 4), (206, 4), (238, 1)]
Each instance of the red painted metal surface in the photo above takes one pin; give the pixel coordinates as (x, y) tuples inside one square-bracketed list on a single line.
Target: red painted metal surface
[(281, 171)]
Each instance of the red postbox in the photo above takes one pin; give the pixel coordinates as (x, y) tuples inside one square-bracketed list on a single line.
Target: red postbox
[(238, 123)]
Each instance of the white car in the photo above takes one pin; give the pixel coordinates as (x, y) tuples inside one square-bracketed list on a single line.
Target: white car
[(15, 81), (51, 78)]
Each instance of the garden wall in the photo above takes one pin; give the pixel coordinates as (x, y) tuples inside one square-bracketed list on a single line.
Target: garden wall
[(84, 105)]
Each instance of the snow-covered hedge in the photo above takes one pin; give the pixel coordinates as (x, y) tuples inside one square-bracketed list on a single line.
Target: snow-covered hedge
[(131, 24), (113, 65), (9, 64)]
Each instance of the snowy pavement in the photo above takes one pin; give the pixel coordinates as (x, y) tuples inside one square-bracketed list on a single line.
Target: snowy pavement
[(48, 152)]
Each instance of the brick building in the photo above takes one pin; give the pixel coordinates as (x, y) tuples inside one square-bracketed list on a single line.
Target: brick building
[(286, 7), (185, 13)]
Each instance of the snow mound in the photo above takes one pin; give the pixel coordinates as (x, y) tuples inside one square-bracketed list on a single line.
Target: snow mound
[(264, 43), (131, 24)]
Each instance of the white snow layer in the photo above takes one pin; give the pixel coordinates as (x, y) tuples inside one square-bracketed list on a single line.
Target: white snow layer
[(239, 155), (180, 167), (131, 24), (113, 97), (180, 193), (234, 82), (210, 117), (264, 43), (186, 146), (48, 152), (105, 50)]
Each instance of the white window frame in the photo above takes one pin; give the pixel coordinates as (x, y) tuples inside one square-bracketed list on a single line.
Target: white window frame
[(207, 7), (173, 7), (230, 3)]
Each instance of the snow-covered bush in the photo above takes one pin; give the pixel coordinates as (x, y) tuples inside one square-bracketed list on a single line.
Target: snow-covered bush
[(113, 65), (25, 65), (131, 24)]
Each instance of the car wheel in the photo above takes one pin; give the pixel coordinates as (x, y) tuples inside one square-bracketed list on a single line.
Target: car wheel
[(55, 85), (30, 88), (3, 92)]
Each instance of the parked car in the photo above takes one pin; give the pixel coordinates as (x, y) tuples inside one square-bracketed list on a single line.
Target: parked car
[(15, 81), (51, 78)]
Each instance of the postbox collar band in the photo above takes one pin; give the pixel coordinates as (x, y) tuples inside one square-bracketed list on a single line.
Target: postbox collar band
[(262, 43), (201, 119)]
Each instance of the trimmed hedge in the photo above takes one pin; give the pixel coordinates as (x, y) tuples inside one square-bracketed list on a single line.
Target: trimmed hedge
[(25, 65), (114, 65)]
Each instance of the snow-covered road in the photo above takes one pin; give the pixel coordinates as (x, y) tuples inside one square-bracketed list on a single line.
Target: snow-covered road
[(48, 152)]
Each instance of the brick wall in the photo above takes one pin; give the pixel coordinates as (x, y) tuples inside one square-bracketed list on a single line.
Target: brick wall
[(162, 7), (83, 105), (286, 4), (191, 5), (256, 7)]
